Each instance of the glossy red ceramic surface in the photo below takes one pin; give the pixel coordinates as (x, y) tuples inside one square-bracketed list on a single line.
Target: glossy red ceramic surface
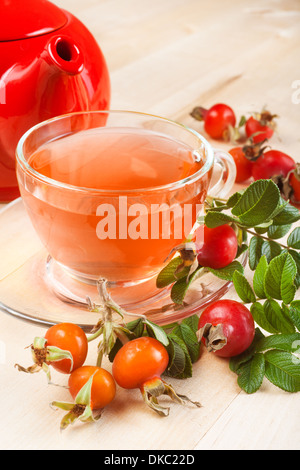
[(22, 19), (50, 65)]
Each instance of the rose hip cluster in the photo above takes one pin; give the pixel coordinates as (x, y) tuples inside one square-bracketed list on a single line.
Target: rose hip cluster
[(138, 364), (226, 328), (252, 154)]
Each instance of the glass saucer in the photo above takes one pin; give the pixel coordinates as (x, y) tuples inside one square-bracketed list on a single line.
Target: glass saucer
[(25, 292)]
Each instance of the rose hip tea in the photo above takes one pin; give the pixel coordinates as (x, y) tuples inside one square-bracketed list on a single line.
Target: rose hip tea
[(111, 195), (113, 202)]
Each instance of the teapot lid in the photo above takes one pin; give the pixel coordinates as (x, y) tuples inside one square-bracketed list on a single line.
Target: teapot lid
[(21, 19)]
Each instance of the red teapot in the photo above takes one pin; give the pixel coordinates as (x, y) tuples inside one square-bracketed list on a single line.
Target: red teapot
[(50, 64)]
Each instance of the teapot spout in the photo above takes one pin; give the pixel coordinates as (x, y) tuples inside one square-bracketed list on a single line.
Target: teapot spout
[(65, 54), (65, 88)]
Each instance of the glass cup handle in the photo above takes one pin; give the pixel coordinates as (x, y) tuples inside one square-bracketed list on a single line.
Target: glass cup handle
[(226, 180)]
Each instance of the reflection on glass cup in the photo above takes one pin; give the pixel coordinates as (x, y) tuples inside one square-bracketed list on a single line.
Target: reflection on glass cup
[(111, 193)]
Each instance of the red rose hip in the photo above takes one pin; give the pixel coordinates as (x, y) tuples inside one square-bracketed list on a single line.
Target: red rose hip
[(232, 328)]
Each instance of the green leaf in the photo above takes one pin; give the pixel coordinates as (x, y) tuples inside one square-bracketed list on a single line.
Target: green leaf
[(112, 354), (270, 249), (214, 219), (279, 278), (255, 252), (283, 370), (296, 258), (282, 342), (175, 371), (259, 277), (288, 215), (234, 198), (180, 288), (258, 312), (236, 362), (136, 327), (156, 332), (243, 288), (279, 209), (294, 313), (252, 374), (278, 231), (168, 274), (297, 281), (192, 322), (241, 249), (293, 240), (177, 359), (257, 203), (185, 332), (227, 272), (219, 204), (277, 317), (215, 207), (263, 228)]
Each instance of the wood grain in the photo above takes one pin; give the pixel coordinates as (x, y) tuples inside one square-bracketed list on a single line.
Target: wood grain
[(165, 57)]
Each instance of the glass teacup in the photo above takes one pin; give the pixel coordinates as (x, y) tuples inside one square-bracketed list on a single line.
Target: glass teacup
[(112, 193)]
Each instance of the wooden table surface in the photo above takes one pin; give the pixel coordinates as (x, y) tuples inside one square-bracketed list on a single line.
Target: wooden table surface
[(165, 57)]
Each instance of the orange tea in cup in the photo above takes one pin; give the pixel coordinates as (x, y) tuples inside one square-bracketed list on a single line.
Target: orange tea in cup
[(110, 194)]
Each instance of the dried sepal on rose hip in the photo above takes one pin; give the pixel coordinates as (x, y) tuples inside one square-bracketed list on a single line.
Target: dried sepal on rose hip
[(260, 126), (289, 184), (43, 356), (64, 347), (92, 389), (139, 364), (244, 158), (226, 328), (211, 247), (188, 254), (259, 161), (253, 151)]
